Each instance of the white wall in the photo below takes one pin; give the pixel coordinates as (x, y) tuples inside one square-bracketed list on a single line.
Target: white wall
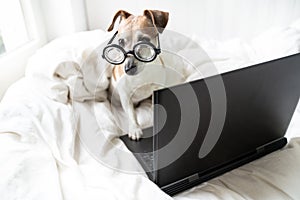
[(219, 19), (63, 17)]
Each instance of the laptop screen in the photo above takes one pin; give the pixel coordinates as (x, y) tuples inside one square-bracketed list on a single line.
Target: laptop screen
[(202, 125)]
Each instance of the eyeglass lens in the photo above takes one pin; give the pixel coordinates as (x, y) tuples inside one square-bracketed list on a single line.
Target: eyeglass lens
[(114, 54), (144, 52)]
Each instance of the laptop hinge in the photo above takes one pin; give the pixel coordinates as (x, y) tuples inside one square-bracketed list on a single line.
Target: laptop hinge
[(193, 177), (260, 149), (183, 181), (264, 147)]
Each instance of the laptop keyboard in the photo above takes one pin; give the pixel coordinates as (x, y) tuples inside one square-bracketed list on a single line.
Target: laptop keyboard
[(147, 159)]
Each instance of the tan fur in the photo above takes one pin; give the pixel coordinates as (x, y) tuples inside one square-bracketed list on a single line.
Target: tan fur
[(118, 72), (128, 24), (136, 23), (123, 15), (131, 90)]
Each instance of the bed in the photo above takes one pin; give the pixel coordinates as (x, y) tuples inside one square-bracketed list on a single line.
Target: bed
[(42, 156)]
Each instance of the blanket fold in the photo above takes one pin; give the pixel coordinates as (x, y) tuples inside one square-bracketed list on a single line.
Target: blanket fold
[(42, 152)]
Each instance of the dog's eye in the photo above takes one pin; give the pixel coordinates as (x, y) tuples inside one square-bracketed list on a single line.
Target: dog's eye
[(121, 42), (145, 39)]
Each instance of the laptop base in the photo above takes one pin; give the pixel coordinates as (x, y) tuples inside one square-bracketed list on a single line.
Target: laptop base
[(199, 178)]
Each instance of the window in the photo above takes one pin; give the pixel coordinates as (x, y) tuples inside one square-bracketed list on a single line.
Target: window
[(22, 32), (13, 31), (2, 47)]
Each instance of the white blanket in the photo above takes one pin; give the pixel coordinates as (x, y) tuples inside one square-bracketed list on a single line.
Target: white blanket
[(42, 158)]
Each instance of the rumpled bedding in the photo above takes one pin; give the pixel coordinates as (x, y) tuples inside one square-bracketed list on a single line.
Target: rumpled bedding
[(43, 115)]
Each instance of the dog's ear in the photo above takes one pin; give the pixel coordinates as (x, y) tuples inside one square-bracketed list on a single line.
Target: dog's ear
[(158, 18), (123, 14)]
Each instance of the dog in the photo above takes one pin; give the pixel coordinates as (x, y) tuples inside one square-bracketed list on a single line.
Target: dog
[(128, 86)]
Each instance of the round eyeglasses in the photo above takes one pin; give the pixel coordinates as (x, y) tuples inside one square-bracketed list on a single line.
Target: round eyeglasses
[(143, 51)]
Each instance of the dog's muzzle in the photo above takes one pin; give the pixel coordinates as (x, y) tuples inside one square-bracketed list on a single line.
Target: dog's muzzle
[(131, 68)]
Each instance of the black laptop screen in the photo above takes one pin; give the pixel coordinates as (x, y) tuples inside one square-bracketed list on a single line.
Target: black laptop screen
[(260, 101)]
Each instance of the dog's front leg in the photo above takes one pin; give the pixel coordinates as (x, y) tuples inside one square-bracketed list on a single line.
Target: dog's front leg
[(134, 130)]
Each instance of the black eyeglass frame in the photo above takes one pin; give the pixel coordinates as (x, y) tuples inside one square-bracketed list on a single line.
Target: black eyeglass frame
[(132, 52)]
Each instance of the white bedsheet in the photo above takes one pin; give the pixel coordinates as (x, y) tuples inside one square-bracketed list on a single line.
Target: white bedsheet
[(42, 158)]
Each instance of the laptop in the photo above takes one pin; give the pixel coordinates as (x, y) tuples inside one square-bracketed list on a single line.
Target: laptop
[(260, 102)]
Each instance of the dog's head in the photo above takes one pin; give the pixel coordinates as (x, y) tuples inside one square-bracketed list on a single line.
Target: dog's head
[(134, 29)]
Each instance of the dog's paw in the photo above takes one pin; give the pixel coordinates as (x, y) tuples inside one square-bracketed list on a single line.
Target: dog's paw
[(135, 133)]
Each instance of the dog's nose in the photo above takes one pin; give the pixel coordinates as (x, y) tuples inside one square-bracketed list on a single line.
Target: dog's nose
[(130, 67)]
